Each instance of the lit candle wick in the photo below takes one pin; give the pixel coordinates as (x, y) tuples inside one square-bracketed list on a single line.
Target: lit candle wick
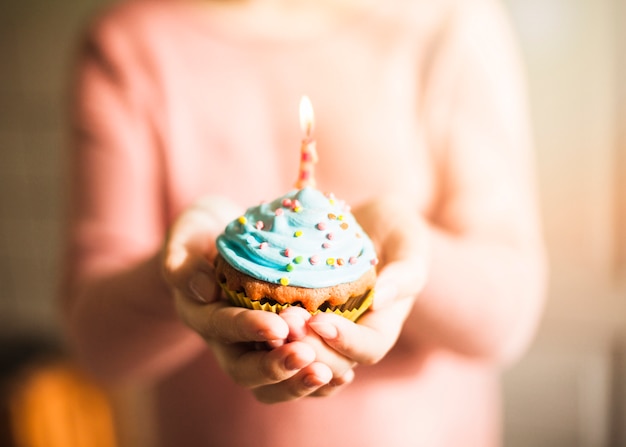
[(308, 153)]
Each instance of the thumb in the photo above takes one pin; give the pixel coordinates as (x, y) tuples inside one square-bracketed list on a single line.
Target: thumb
[(400, 279), (190, 249)]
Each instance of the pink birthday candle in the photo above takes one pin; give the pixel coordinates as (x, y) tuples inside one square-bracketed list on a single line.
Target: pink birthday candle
[(308, 153)]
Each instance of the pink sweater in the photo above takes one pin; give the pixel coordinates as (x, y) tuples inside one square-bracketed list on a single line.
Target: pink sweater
[(422, 98)]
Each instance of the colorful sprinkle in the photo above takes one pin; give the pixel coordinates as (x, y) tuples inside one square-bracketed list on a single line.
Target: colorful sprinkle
[(289, 267), (332, 216), (287, 203), (321, 226), (358, 235), (330, 261), (284, 281), (340, 217), (330, 236), (344, 225), (340, 261), (259, 225), (331, 201), (298, 233), (288, 252), (263, 245), (374, 261), (314, 259), (325, 245), (298, 259), (297, 209), (353, 260), (279, 211), (242, 220)]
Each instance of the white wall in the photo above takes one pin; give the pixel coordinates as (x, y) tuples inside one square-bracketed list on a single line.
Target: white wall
[(564, 391)]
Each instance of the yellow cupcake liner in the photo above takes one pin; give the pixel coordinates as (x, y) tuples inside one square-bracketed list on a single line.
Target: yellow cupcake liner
[(241, 300)]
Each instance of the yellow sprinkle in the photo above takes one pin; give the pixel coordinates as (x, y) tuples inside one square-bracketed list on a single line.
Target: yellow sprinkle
[(330, 261), (331, 201), (340, 217), (242, 220), (297, 209), (284, 281), (298, 233)]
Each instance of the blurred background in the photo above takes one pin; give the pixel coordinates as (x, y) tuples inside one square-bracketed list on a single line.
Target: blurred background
[(569, 390)]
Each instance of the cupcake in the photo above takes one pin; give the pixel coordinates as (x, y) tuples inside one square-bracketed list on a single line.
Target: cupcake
[(302, 249)]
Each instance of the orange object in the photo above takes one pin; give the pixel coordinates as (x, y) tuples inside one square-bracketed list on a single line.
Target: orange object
[(58, 406)]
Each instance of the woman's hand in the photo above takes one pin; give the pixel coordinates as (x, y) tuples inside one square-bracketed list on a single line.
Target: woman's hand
[(273, 356), (401, 240)]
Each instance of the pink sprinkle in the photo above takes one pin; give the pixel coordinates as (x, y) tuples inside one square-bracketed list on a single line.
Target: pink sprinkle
[(374, 261), (288, 252), (330, 236), (352, 260), (321, 226), (287, 203), (279, 211), (325, 245), (263, 245), (259, 225), (314, 259), (295, 204)]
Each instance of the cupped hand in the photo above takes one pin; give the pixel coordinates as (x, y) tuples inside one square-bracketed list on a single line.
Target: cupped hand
[(401, 239), (250, 345)]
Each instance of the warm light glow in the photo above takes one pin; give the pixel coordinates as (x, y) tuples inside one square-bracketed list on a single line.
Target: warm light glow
[(307, 118)]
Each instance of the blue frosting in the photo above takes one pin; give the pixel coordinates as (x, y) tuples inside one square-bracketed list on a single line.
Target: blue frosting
[(304, 238)]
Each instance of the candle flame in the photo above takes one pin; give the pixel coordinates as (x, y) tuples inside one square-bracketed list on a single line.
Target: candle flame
[(307, 117)]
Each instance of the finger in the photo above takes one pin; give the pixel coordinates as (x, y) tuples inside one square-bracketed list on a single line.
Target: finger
[(335, 385), (190, 249), (304, 383), (230, 324), (326, 354), (296, 318), (400, 279), (252, 368), (370, 340), (188, 254)]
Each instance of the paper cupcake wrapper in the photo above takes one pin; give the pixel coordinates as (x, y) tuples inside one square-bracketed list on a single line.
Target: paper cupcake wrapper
[(241, 300)]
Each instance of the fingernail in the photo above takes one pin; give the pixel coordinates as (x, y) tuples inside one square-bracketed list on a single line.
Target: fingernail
[(312, 381), (202, 286), (294, 363), (324, 330)]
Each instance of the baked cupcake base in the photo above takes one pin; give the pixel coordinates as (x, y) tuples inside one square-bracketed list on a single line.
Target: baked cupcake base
[(349, 300), (241, 300)]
